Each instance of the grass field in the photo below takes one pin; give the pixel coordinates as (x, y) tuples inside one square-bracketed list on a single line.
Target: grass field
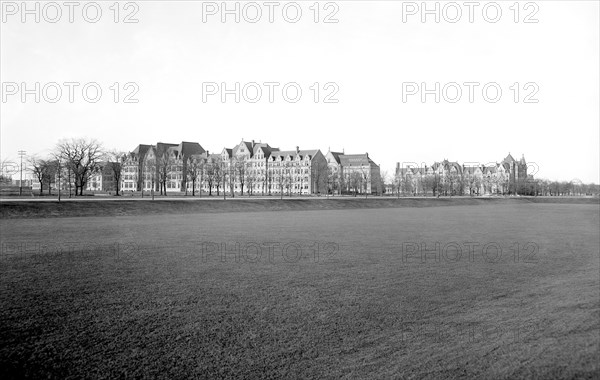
[(150, 294), (88, 206)]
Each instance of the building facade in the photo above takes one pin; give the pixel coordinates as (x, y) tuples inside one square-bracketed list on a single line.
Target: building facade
[(102, 178), (451, 178), (249, 168), (258, 169), (161, 167), (353, 173)]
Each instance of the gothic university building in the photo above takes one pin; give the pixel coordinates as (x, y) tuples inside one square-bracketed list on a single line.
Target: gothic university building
[(451, 178), (247, 168), (257, 168)]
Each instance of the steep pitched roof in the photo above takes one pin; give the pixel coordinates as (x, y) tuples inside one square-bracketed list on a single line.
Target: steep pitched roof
[(491, 169), (336, 156), (265, 148), (447, 165), (356, 160), (228, 151), (248, 145), (141, 149), (508, 159), (190, 148), (173, 150), (293, 153), (162, 148)]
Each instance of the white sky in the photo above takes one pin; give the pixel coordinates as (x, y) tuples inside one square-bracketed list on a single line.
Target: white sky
[(369, 53)]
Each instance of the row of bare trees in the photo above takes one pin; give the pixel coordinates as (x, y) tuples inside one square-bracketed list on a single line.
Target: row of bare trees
[(469, 184), (249, 176), (449, 183), (353, 182), (72, 163), (217, 174), (227, 175)]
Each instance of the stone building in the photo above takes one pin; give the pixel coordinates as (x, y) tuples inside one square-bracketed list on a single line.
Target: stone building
[(249, 168), (353, 173), (451, 178)]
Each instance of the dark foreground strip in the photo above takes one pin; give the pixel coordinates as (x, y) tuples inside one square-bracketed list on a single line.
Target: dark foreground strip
[(33, 209)]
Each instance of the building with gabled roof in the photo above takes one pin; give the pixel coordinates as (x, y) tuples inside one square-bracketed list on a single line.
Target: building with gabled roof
[(249, 167), (132, 177), (353, 173), (245, 167), (159, 167), (102, 178), (173, 167), (451, 178), (299, 171)]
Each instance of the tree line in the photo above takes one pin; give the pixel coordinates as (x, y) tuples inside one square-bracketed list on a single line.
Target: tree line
[(73, 162), (451, 183)]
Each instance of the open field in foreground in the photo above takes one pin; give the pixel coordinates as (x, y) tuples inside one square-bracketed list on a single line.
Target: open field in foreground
[(122, 206), (152, 295)]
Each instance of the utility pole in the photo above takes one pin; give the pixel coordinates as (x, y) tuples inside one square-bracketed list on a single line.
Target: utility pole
[(21, 154)]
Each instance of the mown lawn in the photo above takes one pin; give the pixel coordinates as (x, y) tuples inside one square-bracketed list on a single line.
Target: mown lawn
[(151, 296), (124, 206)]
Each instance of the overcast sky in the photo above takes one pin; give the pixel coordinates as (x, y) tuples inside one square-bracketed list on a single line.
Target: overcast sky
[(368, 54)]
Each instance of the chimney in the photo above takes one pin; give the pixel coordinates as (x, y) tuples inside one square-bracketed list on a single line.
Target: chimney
[(297, 149), (253, 143)]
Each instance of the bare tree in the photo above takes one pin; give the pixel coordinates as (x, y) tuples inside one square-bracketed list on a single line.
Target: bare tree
[(52, 168), (333, 180), (81, 156), (477, 182), (114, 163), (8, 168), (39, 168), (281, 177), (407, 184), (354, 180), (452, 180), (164, 163), (287, 178), (385, 179), (365, 175), (239, 173), (195, 172), (219, 174), (150, 174), (229, 170), (320, 173), (268, 179), (213, 174), (487, 184), (250, 180), (210, 176), (432, 182)]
